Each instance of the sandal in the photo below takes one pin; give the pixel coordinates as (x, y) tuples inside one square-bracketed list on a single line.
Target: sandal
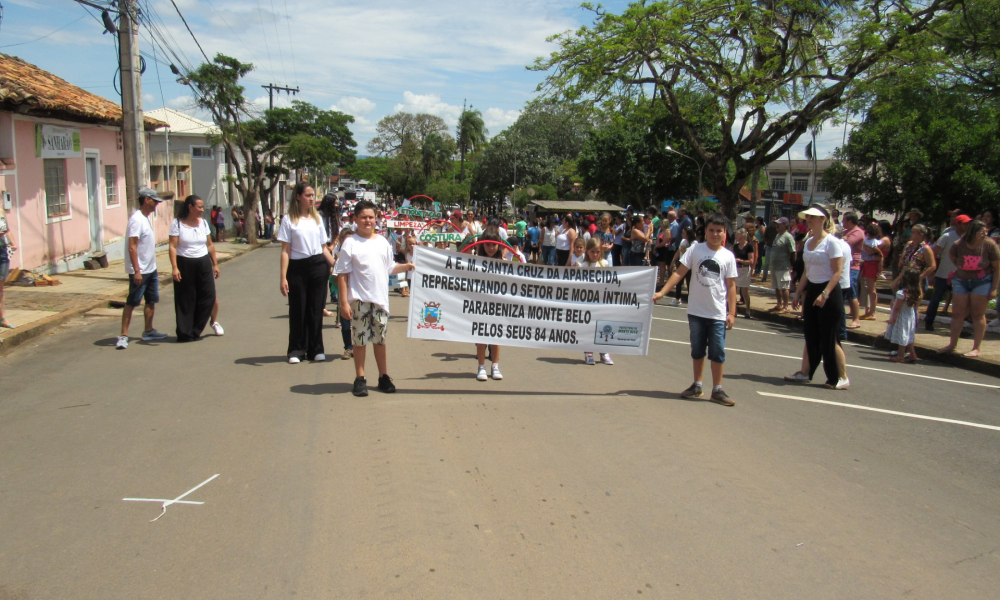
[(896, 359), (4, 323)]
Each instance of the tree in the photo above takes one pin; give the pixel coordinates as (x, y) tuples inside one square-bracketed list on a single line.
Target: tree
[(372, 168), (436, 154), (394, 130), (772, 67), (470, 134)]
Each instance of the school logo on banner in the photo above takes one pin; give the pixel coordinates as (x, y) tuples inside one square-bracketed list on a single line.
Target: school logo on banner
[(618, 333), (430, 316)]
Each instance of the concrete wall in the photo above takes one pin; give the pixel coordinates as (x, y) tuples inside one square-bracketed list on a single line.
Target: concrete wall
[(205, 175), (62, 243)]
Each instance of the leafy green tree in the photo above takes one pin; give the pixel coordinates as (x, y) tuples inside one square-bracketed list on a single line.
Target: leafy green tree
[(470, 135), (393, 131), (372, 168), (772, 67), (436, 154)]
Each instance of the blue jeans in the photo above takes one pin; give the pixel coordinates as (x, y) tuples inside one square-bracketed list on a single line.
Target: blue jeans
[(148, 290), (549, 255), (710, 334), (980, 286), (941, 286), (854, 282)]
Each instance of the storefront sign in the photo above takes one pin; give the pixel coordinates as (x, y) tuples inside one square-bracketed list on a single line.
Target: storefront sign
[(467, 298), (415, 212), (57, 142)]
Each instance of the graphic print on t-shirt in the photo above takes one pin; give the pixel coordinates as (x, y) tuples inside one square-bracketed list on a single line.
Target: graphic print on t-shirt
[(709, 272)]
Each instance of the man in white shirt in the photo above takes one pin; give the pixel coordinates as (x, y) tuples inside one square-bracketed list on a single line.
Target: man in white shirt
[(363, 270), (711, 304), (143, 281)]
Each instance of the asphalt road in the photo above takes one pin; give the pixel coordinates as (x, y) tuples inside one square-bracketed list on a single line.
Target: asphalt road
[(561, 481)]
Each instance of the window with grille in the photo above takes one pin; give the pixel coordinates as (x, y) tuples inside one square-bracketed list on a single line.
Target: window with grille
[(201, 152), (820, 186), (800, 185), (56, 197), (111, 184), (778, 184)]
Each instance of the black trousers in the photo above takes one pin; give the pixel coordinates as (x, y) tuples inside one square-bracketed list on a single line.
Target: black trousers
[(822, 329), (307, 286), (194, 296), (562, 257)]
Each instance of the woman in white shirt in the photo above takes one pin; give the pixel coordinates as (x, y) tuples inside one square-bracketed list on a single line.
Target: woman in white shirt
[(824, 304), (195, 269), (305, 271)]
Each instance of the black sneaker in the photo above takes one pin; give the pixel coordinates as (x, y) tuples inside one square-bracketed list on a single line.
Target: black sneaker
[(720, 397), (692, 392), (360, 387), (929, 326), (385, 384)]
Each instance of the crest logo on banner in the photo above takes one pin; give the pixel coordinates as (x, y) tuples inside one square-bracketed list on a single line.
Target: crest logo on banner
[(430, 316)]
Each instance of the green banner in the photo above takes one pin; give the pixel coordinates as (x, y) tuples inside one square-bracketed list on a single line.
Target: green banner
[(416, 212), (433, 238)]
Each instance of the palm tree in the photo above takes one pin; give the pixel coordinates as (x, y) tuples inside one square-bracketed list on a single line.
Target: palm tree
[(470, 134)]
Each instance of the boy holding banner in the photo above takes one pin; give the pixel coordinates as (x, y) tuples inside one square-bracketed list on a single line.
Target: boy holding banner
[(711, 304), (363, 270)]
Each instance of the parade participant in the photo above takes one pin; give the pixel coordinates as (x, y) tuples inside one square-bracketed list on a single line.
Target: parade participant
[(490, 248), (871, 266), (974, 283), (344, 325), (595, 259), (363, 269), (564, 240), (746, 258), (7, 246), (579, 253), (195, 269), (144, 281), (711, 305), (902, 328), (819, 293), (779, 264), (855, 236), (304, 272), (638, 238)]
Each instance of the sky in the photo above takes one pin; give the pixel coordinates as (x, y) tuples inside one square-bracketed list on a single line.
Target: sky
[(368, 59)]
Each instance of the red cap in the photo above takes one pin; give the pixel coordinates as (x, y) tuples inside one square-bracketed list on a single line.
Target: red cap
[(963, 219)]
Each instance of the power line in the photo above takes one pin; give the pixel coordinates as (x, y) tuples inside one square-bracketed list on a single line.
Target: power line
[(291, 45), (46, 35), (263, 35), (236, 35), (189, 30), (277, 38)]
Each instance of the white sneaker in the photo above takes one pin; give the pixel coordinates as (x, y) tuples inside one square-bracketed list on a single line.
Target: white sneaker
[(293, 360), (842, 384), (218, 329), (589, 359), (675, 302), (319, 358), (606, 359), (994, 323), (797, 377), (496, 372), (122, 342), (481, 373)]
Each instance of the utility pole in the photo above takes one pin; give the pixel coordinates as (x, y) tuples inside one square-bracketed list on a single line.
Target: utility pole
[(133, 132), (271, 88)]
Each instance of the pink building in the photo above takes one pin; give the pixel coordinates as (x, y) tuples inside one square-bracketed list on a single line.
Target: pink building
[(63, 177)]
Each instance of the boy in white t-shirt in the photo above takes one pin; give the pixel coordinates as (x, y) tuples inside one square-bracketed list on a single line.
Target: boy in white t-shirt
[(711, 304), (363, 268)]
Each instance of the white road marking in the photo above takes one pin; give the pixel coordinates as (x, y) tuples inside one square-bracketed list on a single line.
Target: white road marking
[(176, 500), (882, 410), (799, 358)]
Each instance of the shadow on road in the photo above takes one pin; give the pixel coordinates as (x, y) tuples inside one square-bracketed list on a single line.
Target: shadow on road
[(556, 360), (778, 381), (321, 389), (106, 342), (452, 375), (260, 361), (446, 357)]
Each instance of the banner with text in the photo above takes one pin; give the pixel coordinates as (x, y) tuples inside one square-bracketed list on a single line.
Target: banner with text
[(468, 298)]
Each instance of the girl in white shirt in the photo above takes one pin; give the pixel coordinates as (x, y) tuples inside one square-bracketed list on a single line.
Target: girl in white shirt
[(195, 269), (490, 248), (305, 271), (595, 259), (579, 253)]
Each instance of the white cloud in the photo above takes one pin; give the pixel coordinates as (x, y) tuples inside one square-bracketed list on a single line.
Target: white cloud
[(497, 119), (355, 106), (181, 103), (430, 104)]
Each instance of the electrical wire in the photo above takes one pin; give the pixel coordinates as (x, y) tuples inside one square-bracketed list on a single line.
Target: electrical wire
[(291, 44), (46, 35), (236, 35), (260, 14), (277, 39), (183, 20)]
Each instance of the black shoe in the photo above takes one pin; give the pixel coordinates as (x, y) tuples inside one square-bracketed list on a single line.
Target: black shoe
[(385, 384), (692, 392), (929, 326), (360, 387)]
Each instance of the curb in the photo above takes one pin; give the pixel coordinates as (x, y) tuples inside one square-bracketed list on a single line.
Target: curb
[(47, 324), (957, 360)]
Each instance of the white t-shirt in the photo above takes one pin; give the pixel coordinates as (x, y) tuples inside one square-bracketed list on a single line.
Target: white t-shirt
[(548, 237), (140, 227), (945, 242), (369, 262), (306, 236), (601, 263), (192, 242), (576, 261), (845, 276), (818, 260), (475, 227), (710, 270)]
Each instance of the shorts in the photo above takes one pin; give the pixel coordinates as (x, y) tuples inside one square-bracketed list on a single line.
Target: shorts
[(854, 282), (979, 287), (710, 334), (369, 323), (4, 270), (781, 279), (869, 269), (148, 290), (848, 294), (664, 255)]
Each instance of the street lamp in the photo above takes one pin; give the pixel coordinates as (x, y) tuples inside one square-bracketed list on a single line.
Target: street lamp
[(700, 167)]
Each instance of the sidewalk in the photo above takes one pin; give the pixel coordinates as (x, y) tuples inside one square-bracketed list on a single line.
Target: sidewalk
[(35, 310), (926, 343)]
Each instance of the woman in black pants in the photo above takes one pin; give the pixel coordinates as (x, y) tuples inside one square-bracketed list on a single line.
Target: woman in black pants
[(195, 269), (823, 303), (305, 272)]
